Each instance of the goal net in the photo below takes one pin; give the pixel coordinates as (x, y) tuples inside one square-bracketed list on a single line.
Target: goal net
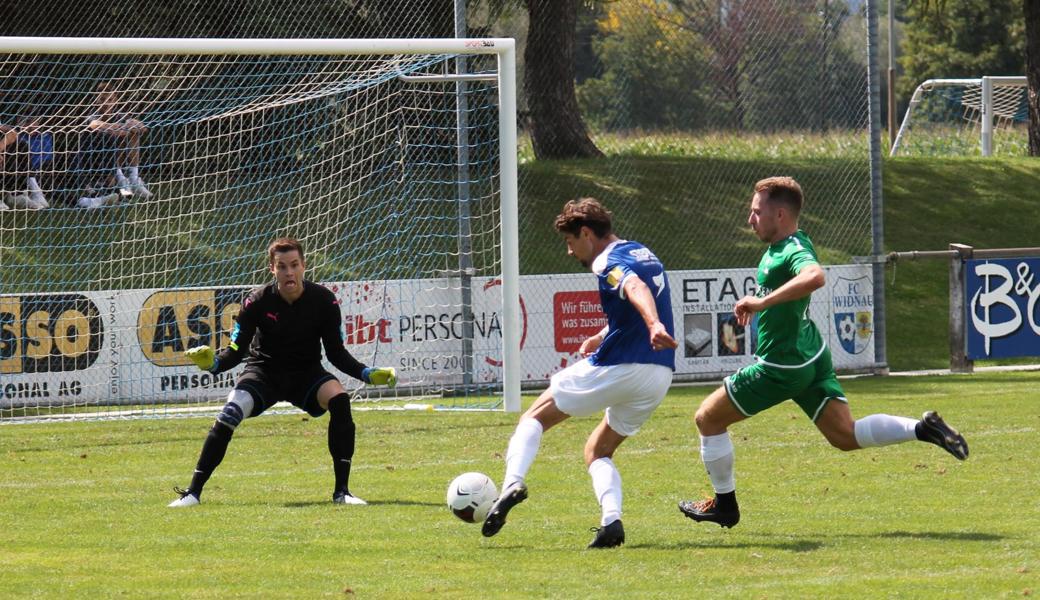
[(966, 117), (144, 178)]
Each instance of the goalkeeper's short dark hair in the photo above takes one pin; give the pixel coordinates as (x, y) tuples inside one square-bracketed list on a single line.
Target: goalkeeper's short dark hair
[(284, 244), (585, 212), (784, 190)]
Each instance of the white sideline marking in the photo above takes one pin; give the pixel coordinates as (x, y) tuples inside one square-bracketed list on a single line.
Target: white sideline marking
[(212, 410)]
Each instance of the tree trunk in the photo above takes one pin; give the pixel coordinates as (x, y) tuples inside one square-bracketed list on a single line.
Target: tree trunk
[(1032, 14), (557, 129)]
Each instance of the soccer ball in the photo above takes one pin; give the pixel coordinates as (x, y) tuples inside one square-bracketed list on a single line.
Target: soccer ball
[(471, 495)]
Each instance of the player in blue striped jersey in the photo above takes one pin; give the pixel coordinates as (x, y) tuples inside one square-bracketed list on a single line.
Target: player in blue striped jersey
[(626, 373)]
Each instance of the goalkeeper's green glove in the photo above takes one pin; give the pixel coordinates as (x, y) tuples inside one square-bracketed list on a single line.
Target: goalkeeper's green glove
[(203, 357), (380, 376)]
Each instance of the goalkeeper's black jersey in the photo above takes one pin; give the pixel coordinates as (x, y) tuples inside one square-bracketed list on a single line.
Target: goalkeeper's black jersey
[(273, 334)]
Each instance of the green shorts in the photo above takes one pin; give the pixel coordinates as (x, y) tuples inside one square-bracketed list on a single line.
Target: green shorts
[(759, 386)]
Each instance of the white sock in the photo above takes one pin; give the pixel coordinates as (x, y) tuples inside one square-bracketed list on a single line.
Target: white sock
[(717, 455), (38, 200), (606, 482), (132, 172), (121, 180), (882, 430), (523, 447)]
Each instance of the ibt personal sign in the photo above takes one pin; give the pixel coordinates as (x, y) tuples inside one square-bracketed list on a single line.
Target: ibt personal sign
[(1002, 301)]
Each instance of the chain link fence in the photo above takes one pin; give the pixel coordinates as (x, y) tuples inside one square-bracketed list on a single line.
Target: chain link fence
[(688, 102), (668, 111)]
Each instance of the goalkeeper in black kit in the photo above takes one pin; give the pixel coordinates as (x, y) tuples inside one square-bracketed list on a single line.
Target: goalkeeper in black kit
[(279, 333)]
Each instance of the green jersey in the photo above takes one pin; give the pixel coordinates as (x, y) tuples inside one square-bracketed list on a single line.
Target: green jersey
[(786, 334)]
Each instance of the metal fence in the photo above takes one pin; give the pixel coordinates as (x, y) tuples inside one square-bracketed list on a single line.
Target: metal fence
[(684, 106)]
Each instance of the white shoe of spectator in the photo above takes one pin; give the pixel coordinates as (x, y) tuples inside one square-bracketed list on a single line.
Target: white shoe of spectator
[(23, 201), (109, 200), (134, 182), (140, 189), (3, 203), (38, 200), (36, 194), (125, 188)]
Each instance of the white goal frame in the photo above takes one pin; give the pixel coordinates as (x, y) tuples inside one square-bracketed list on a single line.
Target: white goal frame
[(503, 48), (987, 83)]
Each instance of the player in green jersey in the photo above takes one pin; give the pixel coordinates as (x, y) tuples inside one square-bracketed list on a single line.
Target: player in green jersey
[(793, 362)]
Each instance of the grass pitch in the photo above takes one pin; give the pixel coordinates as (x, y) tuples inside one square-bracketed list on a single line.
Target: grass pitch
[(83, 510)]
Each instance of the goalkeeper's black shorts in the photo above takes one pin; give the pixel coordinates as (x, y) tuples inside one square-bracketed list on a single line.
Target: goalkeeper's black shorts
[(269, 386)]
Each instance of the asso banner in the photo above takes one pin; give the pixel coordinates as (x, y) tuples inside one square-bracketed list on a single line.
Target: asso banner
[(127, 346), (1000, 297)]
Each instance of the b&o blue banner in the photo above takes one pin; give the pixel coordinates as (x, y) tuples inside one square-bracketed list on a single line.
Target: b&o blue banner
[(1002, 301)]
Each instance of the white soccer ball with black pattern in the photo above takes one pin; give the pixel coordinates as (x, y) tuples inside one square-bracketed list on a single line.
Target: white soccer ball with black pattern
[(471, 495)]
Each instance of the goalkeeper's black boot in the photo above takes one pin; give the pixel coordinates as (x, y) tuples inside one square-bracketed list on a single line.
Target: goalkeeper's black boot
[(511, 496), (709, 510), (608, 536), (931, 428)]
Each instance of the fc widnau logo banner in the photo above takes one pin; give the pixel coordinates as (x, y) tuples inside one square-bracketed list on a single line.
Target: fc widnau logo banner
[(852, 303)]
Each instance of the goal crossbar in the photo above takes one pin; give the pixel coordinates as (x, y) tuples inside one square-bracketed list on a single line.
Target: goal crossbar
[(254, 46)]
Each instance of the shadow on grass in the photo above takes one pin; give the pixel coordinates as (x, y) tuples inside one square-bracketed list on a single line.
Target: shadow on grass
[(405, 503), (964, 536), (811, 545), (311, 503), (796, 546), (506, 547)]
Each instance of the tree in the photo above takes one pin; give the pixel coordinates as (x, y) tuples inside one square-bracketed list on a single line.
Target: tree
[(557, 128), (961, 38), (650, 76), (773, 65), (970, 38), (1032, 14), (552, 114)]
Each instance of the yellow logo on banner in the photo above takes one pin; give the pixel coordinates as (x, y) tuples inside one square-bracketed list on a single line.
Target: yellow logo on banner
[(48, 333), (171, 321)]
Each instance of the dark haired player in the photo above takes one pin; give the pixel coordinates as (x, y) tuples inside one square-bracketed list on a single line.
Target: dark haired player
[(279, 333), (626, 374)]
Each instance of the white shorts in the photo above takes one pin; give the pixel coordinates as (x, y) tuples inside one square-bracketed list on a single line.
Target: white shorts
[(629, 392)]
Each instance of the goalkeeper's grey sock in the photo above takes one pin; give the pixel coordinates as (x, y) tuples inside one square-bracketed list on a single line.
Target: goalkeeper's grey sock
[(341, 440), (213, 451)]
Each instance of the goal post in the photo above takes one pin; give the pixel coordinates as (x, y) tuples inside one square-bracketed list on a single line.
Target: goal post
[(347, 144), (960, 116)]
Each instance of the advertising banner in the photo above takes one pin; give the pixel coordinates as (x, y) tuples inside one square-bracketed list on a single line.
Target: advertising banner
[(1000, 297), (127, 346)]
